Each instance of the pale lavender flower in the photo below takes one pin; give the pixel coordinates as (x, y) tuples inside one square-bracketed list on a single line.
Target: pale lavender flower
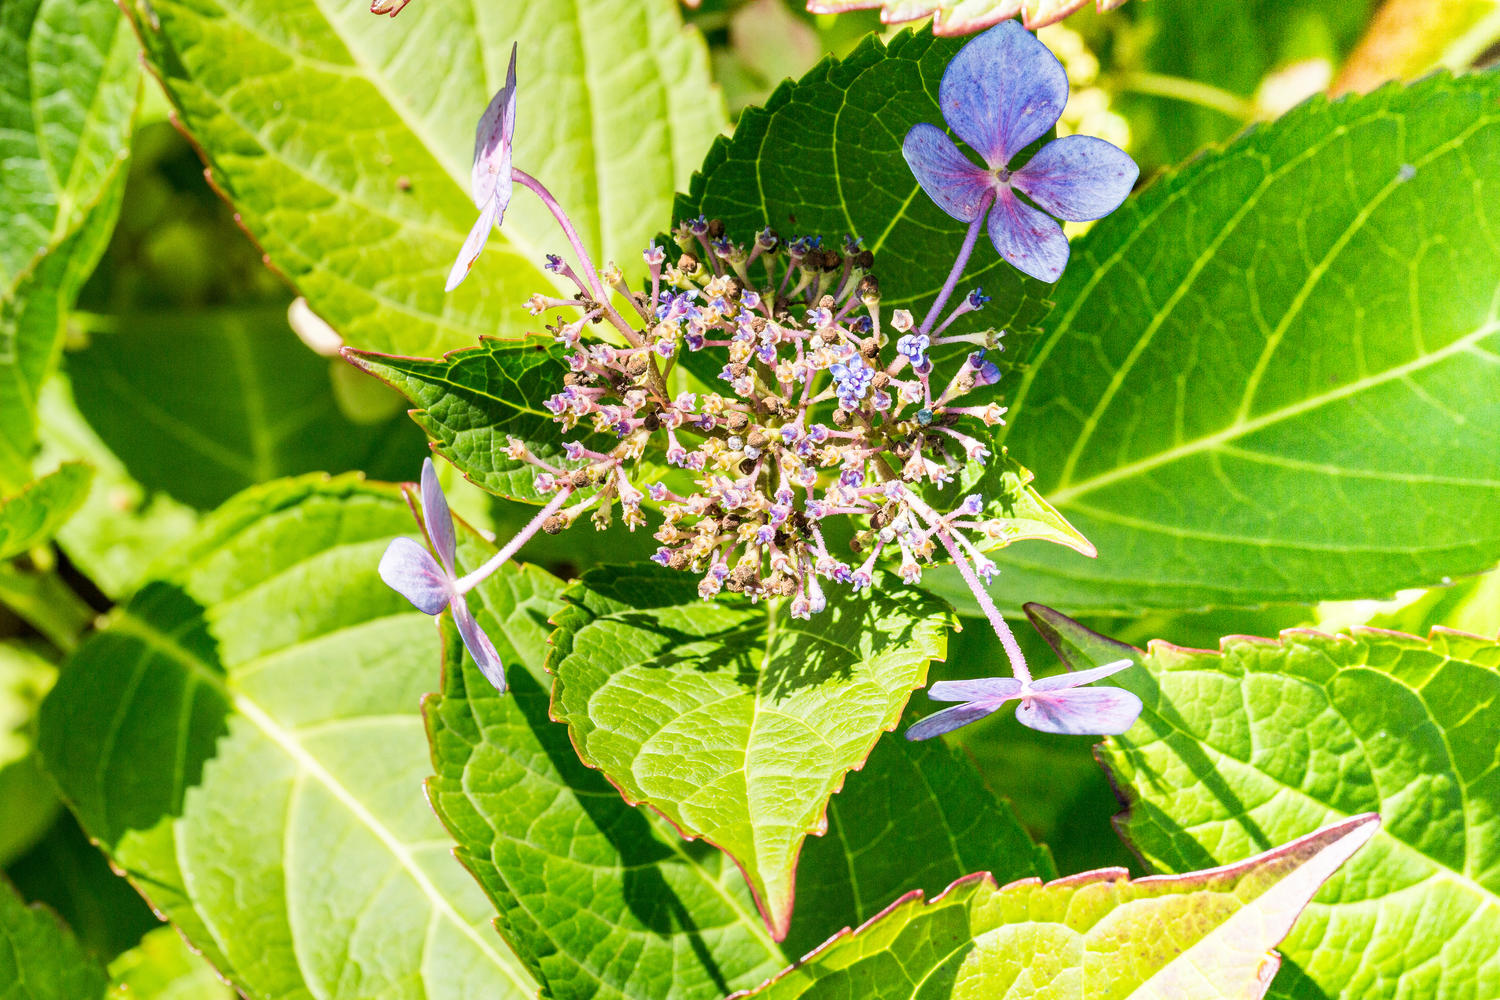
[(1001, 93), (491, 175), (433, 584), (1057, 704)]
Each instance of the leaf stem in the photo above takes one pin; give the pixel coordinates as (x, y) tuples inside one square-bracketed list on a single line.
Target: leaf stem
[(1204, 95)]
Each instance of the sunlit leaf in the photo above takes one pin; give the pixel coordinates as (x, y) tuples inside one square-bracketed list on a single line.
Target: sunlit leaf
[(1207, 935), (68, 87), (736, 721), (32, 516), (243, 738), (1268, 739), (344, 143)]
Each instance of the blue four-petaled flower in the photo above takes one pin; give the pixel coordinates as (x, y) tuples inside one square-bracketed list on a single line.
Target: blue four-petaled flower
[(491, 175), (1001, 93), (1058, 704)]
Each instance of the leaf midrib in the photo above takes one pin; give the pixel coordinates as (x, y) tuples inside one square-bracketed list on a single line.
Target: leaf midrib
[(1271, 418)]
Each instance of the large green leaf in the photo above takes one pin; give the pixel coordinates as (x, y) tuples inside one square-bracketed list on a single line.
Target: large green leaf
[(32, 516), (1206, 935), (202, 404), (606, 900), (1268, 739), (1275, 374), (344, 142), (68, 87), (735, 720), (243, 739), (39, 957), (472, 402), (824, 158)]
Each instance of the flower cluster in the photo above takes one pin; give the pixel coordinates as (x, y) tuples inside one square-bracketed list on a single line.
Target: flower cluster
[(821, 402)]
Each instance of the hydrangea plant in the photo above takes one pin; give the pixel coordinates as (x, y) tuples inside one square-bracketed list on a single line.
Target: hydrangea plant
[(925, 387)]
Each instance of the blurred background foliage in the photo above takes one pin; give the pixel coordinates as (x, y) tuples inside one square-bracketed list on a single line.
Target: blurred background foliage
[(182, 297)]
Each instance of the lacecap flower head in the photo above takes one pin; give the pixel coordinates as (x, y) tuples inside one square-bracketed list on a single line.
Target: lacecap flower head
[(1001, 93)]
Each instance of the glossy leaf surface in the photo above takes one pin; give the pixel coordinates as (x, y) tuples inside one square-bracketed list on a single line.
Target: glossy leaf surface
[(1274, 377), (1268, 739), (605, 899), (736, 721), (345, 143)]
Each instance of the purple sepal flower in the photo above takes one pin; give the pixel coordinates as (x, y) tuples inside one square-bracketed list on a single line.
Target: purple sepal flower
[(491, 177), (1001, 93), (432, 584), (1057, 704)]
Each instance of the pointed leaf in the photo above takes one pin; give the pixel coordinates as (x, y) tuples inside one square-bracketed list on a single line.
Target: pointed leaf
[(1267, 739), (32, 516), (39, 957), (345, 144), (243, 739), (1206, 935), (471, 402), (1241, 401), (734, 720), (28, 805), (68, 88), (646, 913)]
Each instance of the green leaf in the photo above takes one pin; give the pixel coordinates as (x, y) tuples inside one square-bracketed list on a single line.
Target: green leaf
[(122, 526), (201, 404), (68, 87), (472, 402), (1245, 401), (1268, 739), (243, 739), (345, 142), (32, 516), (39, 957), (734, 720), (1010, 499), (605, 900), (1204, 935), (27, 802), (163, 967), (824, 158)]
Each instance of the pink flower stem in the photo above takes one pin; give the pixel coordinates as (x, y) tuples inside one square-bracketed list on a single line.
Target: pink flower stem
[(996, 619), (494, 562), (964, 252), (566, 225)]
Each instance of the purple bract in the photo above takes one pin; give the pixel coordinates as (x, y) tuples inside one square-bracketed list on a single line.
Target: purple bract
[(1001, 93), (1057, 704), (491, 176)]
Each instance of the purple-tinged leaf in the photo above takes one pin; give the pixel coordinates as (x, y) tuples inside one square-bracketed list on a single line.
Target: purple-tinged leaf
[(1207, 935)]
